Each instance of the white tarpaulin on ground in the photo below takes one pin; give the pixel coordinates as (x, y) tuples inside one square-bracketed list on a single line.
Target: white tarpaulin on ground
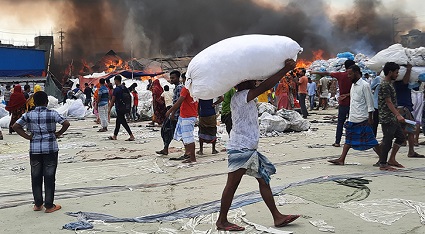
[(221, 66)]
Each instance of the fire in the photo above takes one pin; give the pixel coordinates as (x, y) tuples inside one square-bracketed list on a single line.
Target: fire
[(318, 55), (304, 63), (112, 64), (86, 68)]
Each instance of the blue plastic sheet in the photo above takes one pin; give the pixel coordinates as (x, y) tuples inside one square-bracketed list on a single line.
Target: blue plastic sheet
[(421, 77), (347, 55)]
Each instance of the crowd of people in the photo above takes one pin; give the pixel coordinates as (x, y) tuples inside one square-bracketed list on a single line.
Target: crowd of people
[(364, 101)]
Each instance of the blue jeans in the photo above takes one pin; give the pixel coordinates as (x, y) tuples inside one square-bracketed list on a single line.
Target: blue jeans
[(43, 166), (342, 116), (311, 99)]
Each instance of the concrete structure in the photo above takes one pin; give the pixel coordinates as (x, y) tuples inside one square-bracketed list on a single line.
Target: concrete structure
[(414, 39), (45, 43)]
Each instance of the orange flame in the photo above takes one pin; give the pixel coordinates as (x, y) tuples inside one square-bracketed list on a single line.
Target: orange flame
[(112, 64), (85, 68), (304, 63)]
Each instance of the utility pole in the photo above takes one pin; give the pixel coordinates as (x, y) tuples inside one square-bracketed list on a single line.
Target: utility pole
[(132, 61), (61, 37)]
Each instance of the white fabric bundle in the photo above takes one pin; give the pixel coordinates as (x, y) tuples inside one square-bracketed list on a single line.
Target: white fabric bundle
[(270, 123), (53, 102), (402, 56), (395, 53), (223, 65), (76, 108), (3, 112), (4, 122), (414, 74)]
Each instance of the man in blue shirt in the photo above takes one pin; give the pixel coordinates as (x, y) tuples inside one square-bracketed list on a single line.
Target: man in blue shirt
[(311, 88), (405, 108)]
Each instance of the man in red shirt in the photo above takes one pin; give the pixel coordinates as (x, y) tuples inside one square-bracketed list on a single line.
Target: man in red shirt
[(302, 92), (344, 84), (186, 123)]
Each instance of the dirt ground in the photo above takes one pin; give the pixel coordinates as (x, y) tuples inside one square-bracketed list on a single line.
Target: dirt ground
[(127, 180)]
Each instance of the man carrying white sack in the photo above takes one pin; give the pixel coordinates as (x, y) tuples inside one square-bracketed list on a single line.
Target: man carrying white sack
[(243, 157)]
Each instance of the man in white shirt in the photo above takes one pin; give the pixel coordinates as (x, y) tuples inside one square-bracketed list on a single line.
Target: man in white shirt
[(359, 133)]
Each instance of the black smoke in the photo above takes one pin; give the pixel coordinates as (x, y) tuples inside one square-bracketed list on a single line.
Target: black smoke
[(148, 28)]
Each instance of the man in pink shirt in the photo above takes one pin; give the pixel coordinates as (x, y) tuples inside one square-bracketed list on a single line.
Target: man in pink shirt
[(344, 84)]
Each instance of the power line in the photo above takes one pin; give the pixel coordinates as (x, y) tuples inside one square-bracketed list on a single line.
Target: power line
[(17, 33)]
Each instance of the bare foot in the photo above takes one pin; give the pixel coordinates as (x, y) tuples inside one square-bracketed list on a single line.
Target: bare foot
[(336, 162), (387, 168), (188, 161), (229, 227), (395, 164), (285, 220)]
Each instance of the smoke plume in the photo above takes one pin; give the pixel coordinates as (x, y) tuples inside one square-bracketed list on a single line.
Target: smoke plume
[(145, 28)]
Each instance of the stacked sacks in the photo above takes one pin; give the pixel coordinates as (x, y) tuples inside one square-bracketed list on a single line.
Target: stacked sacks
[(270, 123), (337, 64), (223, 65), (266, 107), (280, 121), (296, 121)]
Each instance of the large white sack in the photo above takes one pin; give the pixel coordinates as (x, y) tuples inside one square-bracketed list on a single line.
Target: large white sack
[(63, 109), (398, 54), (270, 123), (3, 112), (395, 53), (300, 125), (53, 102), (414, 74), (223, 65), (266, 107), (4, 122), (76, 108)]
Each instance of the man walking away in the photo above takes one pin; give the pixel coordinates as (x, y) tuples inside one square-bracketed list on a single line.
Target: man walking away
[(120, 107)]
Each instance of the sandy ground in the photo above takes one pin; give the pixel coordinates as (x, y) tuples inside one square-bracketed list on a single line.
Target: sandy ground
[(127, 179)]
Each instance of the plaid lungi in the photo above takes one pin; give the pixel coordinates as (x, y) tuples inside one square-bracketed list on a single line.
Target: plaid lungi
[(360, 135)]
